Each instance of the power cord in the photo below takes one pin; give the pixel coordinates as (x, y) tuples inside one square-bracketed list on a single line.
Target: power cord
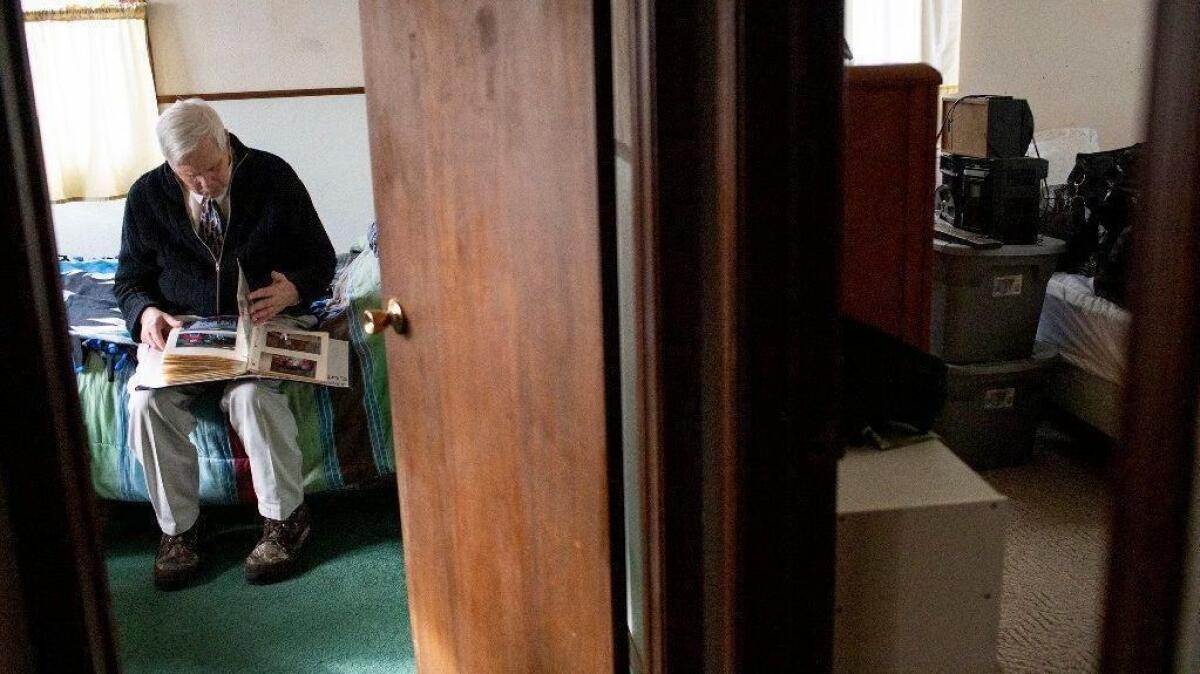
[(950, 113)]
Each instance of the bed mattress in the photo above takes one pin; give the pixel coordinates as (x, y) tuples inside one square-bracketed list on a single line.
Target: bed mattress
[(1089, 331), (1087, 397)]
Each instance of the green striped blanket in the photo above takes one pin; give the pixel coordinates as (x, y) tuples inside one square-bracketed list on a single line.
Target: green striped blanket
[(345, 434)]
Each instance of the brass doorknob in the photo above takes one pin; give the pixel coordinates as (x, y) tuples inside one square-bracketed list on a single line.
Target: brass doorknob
[(378, 319)]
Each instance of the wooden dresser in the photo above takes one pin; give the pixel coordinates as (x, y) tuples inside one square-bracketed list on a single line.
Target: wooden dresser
[(888, 174)]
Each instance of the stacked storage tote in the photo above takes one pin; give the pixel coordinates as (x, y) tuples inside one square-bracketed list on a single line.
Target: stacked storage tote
[(989, 281)]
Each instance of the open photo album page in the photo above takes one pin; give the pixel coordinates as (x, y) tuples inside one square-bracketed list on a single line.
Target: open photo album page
[(291, 354)]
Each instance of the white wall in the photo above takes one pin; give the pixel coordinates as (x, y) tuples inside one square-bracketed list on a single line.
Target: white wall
[(219, 46), (88, 228), (1079, 62), (325, 139), (254, 45)]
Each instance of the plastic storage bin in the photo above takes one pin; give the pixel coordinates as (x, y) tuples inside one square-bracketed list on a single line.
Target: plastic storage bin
[(986, 303), (993, 409)]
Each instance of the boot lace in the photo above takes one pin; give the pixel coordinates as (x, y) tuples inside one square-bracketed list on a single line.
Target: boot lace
[(276, 531), (175, 545)]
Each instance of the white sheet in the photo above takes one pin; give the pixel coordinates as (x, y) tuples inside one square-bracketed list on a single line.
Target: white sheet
[(1059, 147), (1089, 331), (1088, 397)]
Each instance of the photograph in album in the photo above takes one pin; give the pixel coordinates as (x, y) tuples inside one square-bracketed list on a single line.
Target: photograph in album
[(285, 341), (216, 348)]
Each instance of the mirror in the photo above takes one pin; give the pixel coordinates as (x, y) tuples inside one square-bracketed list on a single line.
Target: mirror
[(1006, 328)]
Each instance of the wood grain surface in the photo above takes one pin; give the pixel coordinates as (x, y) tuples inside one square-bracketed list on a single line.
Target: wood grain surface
[(54, 608), (482, 124), (888, 175), (1153, 467)]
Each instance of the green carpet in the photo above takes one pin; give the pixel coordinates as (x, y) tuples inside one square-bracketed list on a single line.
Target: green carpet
[(347, 612)]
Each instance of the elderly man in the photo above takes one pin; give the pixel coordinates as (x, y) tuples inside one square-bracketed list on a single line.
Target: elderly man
[(215, 204)]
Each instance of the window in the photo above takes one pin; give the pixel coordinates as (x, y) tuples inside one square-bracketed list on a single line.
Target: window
[(906, 31), (95, 95)]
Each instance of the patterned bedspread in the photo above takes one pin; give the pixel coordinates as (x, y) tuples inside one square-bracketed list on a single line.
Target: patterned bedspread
[(345, 434)]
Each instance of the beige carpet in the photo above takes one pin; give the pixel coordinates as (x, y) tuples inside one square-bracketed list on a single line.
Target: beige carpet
[(1054, 562)]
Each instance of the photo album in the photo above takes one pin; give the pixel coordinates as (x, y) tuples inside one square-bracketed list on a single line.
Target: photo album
[(217, 348)]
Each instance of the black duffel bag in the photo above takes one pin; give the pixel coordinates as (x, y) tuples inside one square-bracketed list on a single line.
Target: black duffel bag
[(887, 385)]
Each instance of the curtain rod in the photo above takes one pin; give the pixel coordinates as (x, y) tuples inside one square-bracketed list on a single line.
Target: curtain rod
[(125, 10)]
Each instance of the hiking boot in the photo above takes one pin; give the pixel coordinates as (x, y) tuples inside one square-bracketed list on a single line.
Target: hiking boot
[(274, 558), (177, 559)]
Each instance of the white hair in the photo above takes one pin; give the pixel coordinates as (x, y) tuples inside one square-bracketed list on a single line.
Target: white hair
[(184, 124)]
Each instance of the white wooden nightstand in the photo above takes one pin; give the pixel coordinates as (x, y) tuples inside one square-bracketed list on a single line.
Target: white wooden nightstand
[(920, 558)]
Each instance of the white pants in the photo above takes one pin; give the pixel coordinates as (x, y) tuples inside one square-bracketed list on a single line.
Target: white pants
[(161, 420)]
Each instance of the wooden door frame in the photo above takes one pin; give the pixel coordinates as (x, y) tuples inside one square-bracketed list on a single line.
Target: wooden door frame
[(737, 221), (54, 598), (54, 614), (606, 210), (1155, 458)]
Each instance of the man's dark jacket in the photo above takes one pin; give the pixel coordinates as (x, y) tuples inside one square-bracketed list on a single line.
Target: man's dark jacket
[(272, 226)]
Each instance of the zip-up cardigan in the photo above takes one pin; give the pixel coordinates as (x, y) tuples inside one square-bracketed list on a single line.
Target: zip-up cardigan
[(272, 226)]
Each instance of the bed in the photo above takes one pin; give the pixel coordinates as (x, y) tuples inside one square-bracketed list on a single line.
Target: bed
[(1090, 334), (345, 434)]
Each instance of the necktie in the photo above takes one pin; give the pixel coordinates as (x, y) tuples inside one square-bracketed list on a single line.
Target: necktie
[(211, 226)]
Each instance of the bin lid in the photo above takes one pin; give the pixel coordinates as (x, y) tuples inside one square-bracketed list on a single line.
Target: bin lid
[(1046, 245), (1043, 354)]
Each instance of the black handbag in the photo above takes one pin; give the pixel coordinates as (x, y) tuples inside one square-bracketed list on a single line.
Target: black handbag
[(1094, 215)]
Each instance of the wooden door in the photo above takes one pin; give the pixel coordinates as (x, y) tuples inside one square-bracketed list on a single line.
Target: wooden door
[(54, 613), (1151, 621), (484, 158)]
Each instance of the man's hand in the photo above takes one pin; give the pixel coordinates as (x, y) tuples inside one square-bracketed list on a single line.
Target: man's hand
[(270, 300), (156, 323)]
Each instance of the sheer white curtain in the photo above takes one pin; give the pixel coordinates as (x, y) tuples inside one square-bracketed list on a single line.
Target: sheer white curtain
[(94, 93), (906, 31)]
